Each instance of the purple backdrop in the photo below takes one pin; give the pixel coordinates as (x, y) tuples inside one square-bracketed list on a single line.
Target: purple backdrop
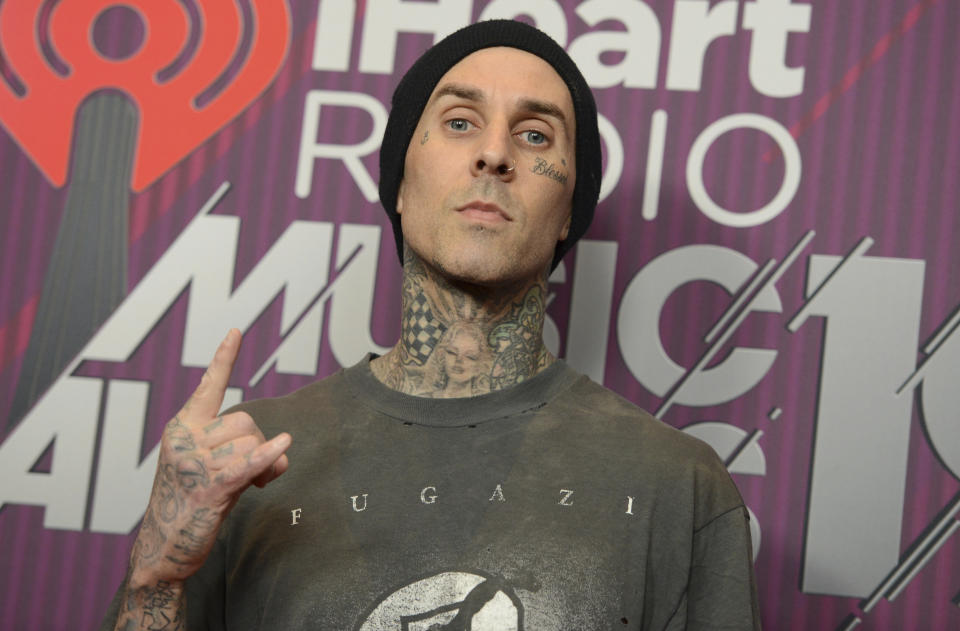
[(821, 136)]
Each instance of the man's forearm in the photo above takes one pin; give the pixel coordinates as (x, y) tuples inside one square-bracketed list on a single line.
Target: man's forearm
[(161, 606), (206, 461)]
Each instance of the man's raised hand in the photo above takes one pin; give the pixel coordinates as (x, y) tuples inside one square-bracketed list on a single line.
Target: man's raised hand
[(206, 462)]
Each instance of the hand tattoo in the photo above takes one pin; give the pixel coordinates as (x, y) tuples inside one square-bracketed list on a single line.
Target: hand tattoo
[(223, 450), (195, 536)]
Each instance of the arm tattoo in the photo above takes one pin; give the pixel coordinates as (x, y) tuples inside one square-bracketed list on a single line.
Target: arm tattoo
[(158, 608)]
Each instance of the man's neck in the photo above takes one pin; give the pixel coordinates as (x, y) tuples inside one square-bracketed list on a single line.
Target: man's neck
[(459, 340)]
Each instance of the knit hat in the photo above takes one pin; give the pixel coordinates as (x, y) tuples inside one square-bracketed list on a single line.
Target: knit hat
[(414, 90)]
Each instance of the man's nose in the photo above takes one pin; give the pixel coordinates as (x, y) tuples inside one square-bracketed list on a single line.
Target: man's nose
[(495, 155)]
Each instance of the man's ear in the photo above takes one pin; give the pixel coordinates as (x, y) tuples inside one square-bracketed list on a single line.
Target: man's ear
[(400, 198)]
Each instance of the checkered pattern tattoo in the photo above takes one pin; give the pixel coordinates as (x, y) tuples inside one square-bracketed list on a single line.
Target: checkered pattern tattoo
[(422, 331)]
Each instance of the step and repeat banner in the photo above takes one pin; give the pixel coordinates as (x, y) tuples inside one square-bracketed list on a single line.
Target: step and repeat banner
[(773, 267)]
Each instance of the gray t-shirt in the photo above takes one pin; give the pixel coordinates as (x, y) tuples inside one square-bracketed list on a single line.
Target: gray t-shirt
[(553, 505)]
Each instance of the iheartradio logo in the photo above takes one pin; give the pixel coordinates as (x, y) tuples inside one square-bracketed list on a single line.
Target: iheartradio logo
[(124, 91), (196, 66)]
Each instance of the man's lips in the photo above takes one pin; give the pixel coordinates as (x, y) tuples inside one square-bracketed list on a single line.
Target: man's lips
[(484, 211)]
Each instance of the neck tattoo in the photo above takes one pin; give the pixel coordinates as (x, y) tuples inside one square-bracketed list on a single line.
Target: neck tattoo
[(459, 342)]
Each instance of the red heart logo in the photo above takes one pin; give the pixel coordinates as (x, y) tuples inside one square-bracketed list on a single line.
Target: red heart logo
[(194, 71)]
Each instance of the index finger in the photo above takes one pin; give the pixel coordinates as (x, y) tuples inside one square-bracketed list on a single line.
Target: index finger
[(206, 400)]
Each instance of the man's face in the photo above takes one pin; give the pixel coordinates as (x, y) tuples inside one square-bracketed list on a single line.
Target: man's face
[(489, 173)]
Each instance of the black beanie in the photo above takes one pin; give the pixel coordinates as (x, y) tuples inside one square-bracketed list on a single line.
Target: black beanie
[(414, 90)]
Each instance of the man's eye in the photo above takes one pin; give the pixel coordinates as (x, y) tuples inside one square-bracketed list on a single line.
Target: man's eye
[(534, 137), (458, 124)]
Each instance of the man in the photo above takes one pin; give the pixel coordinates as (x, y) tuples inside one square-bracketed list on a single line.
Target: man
[(467, 479)]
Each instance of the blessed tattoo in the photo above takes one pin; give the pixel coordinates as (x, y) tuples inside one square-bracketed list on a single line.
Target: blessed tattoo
[(550, 170)]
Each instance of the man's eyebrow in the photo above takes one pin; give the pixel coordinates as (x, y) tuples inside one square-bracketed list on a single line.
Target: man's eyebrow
[(543, 107), (460, 91)]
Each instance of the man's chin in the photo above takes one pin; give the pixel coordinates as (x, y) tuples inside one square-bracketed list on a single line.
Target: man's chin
[(478, 269), (472, 275)]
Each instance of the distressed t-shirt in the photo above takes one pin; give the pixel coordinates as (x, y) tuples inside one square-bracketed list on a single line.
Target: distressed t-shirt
[(552, 505)]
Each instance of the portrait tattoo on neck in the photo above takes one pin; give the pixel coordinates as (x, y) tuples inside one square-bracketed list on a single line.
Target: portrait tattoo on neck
[(541, 167)]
